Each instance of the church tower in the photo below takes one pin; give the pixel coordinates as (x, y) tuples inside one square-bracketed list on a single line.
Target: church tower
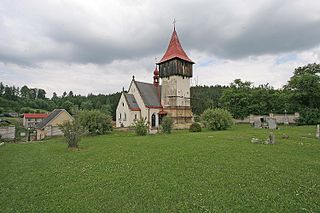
[(175, 71)]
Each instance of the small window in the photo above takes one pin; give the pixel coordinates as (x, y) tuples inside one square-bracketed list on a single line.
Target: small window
[(135, 116), (122, 103), (120, 116), (125, 117)]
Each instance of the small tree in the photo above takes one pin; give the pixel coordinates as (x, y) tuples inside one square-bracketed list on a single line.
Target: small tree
[(195, 127), (87, 105), (140, 127), (73, 131), (217, 119), (309, 117), (67, 105), (26, 110), (167, 124), (95, 121)]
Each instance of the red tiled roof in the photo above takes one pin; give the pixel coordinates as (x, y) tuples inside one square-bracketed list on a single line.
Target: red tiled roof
[(175, 50), (35, 115)]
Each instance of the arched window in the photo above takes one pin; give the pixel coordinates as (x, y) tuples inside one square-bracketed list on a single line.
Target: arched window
[(153, 120), (125, 117)]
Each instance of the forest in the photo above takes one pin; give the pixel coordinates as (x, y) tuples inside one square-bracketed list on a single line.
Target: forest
[(241, 98)]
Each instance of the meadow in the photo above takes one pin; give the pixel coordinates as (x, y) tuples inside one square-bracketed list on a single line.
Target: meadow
[(181, 172)]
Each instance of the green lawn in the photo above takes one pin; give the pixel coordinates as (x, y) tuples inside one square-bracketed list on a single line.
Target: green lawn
[(197, 172)]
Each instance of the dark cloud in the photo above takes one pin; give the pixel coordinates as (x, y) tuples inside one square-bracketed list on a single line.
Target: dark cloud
[(89, 33)]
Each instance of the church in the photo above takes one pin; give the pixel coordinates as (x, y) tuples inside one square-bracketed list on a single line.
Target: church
[(153, 101)]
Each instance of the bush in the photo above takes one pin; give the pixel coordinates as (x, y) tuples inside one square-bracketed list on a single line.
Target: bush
[(195, 127), (26, 110), (167, 124), (309, 117), (95, 121), (67, 105), (217, 119), (73, 131), (140, 127)]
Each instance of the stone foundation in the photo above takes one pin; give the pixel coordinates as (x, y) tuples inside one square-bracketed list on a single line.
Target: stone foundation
[(182, 117)]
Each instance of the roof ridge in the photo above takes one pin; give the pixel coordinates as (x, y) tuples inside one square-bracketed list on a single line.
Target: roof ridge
[(144, 82), (49, 118)]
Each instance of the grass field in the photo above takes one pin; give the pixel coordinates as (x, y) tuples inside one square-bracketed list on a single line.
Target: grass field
[(197, 172)]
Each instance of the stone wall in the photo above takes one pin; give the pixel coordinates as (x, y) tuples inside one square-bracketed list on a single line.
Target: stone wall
[(280, 118), (8, 132)]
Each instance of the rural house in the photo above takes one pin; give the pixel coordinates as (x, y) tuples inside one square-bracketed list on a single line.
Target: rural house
[(49, 126), (30, 120), (153, 101)]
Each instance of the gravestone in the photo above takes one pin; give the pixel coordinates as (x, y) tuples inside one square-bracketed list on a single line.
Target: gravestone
[(318, 131), (257, 124), (271, 139), (272, 124)]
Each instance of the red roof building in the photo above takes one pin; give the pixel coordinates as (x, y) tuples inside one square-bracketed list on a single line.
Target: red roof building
[(175, 50), (35, 115), (32, 119)]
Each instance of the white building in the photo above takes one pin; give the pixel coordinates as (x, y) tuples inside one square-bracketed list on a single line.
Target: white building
[(152, 101)]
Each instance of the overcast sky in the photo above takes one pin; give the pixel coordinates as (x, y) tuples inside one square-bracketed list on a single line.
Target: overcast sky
[(96, 46)]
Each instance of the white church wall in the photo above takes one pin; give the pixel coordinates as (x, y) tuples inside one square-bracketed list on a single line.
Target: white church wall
[(168, 89), (183, 89), (128, 117), (123, 113), (175, 86), (156, 112), (135, 92)]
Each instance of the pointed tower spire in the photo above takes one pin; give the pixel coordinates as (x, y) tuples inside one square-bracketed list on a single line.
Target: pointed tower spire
[(175, 49)]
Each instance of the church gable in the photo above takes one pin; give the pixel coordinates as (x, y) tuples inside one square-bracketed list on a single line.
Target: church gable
[(127, 110)]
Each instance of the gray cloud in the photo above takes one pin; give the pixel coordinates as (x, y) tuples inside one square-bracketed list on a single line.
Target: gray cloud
[(82, 33), (42, 40)]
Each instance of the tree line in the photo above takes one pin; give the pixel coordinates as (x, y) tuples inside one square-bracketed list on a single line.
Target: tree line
[(25, 99), (241, 98)]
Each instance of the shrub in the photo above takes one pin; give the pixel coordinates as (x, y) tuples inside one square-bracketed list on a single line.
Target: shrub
[(26, 110), (195, 127), (73, 131), (95, 121), (309, 117), (140, 127), (217, 119), (67, 105), (167, 124)]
